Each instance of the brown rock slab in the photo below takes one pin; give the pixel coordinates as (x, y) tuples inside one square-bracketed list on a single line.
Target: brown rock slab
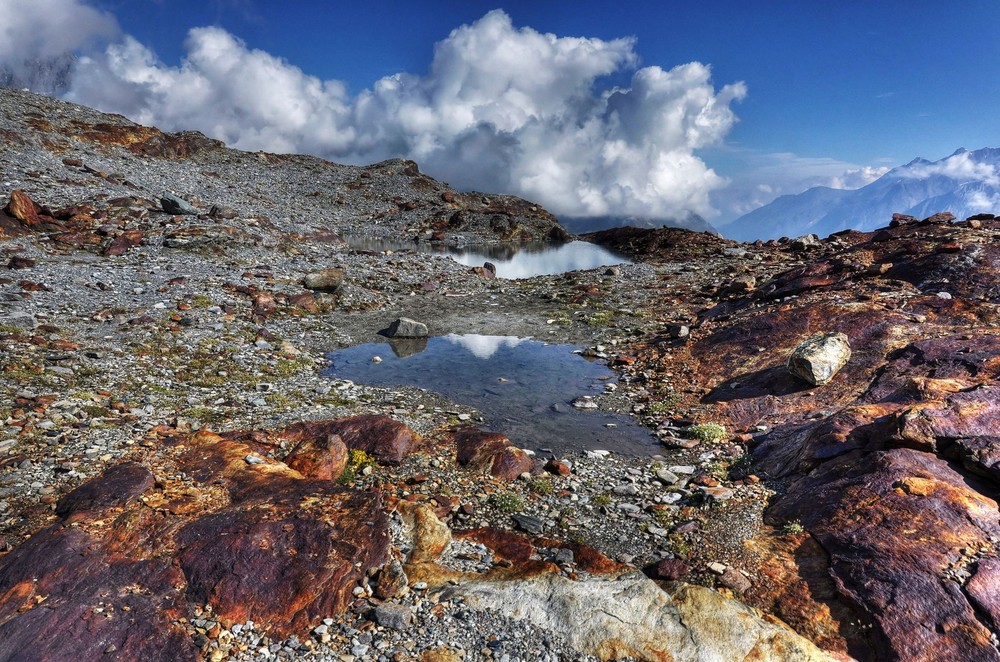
[(491, 452), (385, 439)]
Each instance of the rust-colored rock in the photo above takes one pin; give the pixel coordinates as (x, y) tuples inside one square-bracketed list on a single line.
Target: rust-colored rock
[(386, 440), (256, 541), (315, 457), (124, 242), (490, 452)]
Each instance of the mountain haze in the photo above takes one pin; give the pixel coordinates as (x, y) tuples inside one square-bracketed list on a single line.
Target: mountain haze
[(964, 183)]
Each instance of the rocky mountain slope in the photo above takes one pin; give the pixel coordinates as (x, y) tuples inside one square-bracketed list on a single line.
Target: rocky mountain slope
[(180, 480), (965, 184)]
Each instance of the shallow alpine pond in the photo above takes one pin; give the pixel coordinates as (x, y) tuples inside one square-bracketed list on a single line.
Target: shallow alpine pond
[(511, 261), (524, 388)]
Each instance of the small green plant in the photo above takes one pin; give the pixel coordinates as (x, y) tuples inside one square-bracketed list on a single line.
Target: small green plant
[(542, 486), (602, 499), (602, 318), (708, 432), (793, 528), (662, 404), (507, 502), (201, 301)]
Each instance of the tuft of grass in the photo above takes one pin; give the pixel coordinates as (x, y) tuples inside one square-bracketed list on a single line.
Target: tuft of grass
[(507, 502), (602, 318), (708, 432), (793, 528), (542, 486), (602, 499)]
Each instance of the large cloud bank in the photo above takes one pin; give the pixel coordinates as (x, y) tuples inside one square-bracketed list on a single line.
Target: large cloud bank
[(38, 37), (501, 108)]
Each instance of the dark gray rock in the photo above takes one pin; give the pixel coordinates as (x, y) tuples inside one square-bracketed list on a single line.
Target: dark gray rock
[(176, 206), (404, 327), (393, 616)]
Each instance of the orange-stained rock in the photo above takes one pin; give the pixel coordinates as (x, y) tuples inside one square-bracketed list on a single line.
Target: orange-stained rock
[(225, 526), (386, 440), (491, 452), (318, 458)]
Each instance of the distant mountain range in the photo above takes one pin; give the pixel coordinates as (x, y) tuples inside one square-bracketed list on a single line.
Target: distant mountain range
[(689, 221), (964, 183)]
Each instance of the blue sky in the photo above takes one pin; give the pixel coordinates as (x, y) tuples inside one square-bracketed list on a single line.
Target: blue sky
[(830, 88)]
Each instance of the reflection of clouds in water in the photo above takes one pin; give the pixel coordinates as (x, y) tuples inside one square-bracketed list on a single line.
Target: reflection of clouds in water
[(524, 264), (483, 347)]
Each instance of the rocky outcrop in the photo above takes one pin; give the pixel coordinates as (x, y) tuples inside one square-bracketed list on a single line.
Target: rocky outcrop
[(223, 526), (891, 467), (490, 452)]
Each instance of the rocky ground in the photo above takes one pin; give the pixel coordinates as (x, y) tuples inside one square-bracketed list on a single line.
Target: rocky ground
[(178, 480)]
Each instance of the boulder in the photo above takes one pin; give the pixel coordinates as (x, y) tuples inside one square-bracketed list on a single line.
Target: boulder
[(630, 616), (818, 358), (404, 327), (324, 280), (177, 206)]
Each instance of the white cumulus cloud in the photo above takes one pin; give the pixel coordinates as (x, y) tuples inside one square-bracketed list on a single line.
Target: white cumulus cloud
[(961, 166), (501, 108), (38, 37)]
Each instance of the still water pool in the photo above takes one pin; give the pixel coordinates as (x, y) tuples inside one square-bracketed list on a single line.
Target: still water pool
[(523, 387), (521, 261)]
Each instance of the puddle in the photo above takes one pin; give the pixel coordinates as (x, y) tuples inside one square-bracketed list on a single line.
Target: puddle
[(521, 261), (523, 387)]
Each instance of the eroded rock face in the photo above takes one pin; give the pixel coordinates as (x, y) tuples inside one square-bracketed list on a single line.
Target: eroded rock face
[(891, 468), (130, 554)]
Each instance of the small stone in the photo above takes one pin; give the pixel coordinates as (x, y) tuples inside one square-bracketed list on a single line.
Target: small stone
[(325, 280), (670, 570), (717, 568), (528, 523), (626, 489), (735, 580), (666, 476), (584, 402), (253, 459), (393, 616), (944, 295), (678, 331)]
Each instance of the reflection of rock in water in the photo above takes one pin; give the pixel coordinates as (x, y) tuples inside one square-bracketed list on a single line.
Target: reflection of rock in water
[(403, 347)]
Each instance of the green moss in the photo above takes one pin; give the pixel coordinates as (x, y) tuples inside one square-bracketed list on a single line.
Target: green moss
[(201, 301), (793, 528), (602, 499), (602, 318)]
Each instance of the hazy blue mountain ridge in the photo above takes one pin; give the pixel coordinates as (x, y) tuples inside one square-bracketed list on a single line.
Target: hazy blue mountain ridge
[(964, 183)]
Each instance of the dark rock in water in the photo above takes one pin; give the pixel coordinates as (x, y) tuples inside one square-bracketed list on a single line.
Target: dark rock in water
[(405, 327), (324, 280), (177, 206), (386, 440), (404, 347)]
